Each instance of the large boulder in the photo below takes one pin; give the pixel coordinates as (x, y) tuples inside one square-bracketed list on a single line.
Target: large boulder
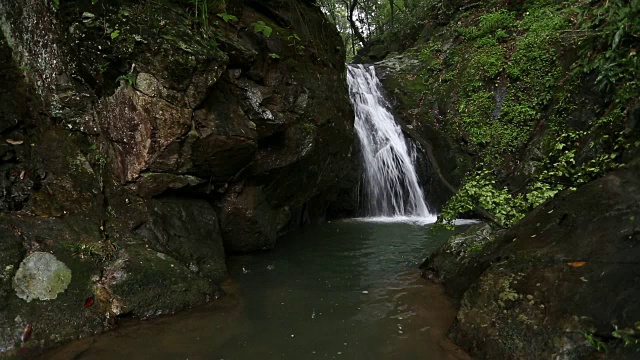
[(460, 261), (562, 283)]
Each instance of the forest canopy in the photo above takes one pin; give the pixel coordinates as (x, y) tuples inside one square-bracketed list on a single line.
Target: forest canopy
[(360, 21)]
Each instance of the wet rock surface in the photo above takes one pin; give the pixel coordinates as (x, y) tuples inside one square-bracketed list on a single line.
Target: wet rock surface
[(556, 283), (462, 259), (136, 144), (171, 230)]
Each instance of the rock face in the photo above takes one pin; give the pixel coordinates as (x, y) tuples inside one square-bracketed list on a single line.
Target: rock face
[(138, 143), (556, 284), (41, 276), (458, 263)]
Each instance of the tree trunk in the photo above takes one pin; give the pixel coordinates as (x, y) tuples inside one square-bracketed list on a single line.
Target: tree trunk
[(354, 27)]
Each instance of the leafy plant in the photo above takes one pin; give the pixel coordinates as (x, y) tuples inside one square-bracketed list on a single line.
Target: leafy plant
[(115, 34), (102, 68), (595, 342), (123, 13), (129, 78), (497, 22), (627, 335), (261, 27), (294, 42), (227, 17), (274, 56), (480, 191), (609, 39)]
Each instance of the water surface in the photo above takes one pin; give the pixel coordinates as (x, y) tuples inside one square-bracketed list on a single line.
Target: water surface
[(347, 289)]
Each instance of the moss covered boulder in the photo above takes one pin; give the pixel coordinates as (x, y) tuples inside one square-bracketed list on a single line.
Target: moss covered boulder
[(562, 283)]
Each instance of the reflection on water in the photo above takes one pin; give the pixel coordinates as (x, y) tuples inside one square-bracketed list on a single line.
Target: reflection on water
[(343, 290)]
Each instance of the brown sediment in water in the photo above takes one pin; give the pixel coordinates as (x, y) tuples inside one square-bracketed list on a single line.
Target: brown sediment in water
[(226, 309), (432, 314)]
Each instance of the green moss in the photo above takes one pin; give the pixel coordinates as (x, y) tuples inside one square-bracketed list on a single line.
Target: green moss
[(490, 24)]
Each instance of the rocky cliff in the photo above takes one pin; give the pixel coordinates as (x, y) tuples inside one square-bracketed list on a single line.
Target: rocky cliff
[(140, 140)]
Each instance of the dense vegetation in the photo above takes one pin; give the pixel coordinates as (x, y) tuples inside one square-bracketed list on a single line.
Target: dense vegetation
[(539, 96)]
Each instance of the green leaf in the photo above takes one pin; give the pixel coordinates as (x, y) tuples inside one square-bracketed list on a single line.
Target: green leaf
[(56, 4), (617, 37), (261, 27), (115, 34), (227, 17)]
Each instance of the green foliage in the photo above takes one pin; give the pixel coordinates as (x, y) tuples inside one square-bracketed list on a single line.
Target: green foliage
[(295, 43), (102, 68), (481, 191), (261, 27), (562, 167), (129, 78), (201, 10), (56, 4), (274, 56), (430, 57), (595, 342), (628, 336), (609, 40), (495, 24), (227, 17), (115, 34), (123, 13), (540, 192)]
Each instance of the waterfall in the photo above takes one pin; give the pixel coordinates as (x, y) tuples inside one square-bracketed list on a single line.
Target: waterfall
[(391, 186)]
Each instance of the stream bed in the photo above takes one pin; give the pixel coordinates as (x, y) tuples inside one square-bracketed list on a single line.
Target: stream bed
[(344, 290)]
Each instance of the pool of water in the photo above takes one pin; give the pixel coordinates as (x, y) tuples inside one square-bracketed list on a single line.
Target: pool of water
[(347, 289)]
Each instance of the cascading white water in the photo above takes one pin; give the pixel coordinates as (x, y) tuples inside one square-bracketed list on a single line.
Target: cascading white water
[(391, 183)]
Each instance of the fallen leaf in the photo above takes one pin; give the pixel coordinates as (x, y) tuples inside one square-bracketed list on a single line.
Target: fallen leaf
[(22, 175), (14, 142), (26, 334), (576, 263), (88, 302)]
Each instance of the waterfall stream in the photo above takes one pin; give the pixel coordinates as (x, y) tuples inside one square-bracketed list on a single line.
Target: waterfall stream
[(391, 184)]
